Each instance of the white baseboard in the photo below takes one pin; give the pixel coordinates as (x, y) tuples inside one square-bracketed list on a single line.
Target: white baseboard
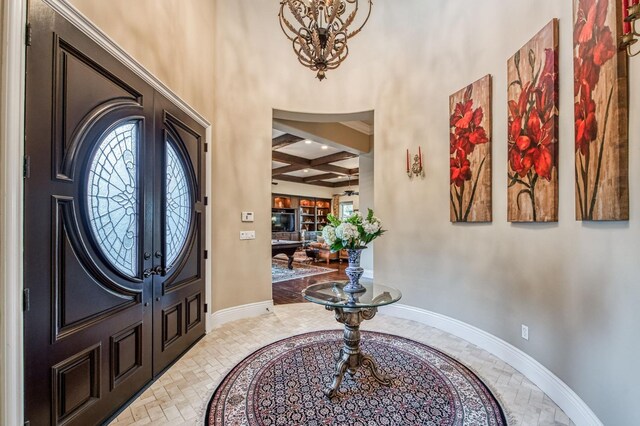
[(368, 273), (224, 316), (556, 389)]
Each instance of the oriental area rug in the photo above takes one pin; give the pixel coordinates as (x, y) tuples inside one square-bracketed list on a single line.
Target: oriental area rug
[(280, 272), (282, 384)]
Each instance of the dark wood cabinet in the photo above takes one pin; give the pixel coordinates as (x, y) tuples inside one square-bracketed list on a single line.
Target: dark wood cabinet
[(310, 215)]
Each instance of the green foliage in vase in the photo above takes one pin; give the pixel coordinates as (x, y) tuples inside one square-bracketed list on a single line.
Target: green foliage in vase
[(354, 232)]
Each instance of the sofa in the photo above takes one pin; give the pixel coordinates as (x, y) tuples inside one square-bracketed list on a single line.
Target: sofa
[(321, 251)]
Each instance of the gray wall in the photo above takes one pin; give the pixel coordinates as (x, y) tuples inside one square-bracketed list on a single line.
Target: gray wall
[(574, 284)]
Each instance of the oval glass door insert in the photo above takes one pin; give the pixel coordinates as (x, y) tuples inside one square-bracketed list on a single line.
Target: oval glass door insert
[(112, 197), (178, 208)]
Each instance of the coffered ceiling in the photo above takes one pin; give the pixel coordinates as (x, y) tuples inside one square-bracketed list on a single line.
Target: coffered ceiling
[(305, 161)]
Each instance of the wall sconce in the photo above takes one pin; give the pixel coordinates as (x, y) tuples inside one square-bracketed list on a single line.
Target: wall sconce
[(630, 14), (416, 168)]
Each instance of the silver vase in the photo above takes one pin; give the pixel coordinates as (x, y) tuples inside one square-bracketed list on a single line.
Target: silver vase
[(354, 271)]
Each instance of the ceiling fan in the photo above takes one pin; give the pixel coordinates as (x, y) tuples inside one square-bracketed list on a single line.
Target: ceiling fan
[(349, 192)]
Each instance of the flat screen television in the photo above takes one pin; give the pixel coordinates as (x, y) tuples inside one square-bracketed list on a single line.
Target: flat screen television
[(283, 222)]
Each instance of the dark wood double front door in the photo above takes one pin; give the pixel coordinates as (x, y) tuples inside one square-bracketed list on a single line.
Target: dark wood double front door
[(114, 228)]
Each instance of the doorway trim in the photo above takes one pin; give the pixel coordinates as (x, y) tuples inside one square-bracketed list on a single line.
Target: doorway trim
[(12, 95), (11, 242)]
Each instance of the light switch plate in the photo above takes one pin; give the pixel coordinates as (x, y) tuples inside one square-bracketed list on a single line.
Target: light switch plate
[(247, 235), (247, 216)]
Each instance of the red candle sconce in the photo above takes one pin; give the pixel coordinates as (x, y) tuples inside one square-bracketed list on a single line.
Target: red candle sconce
[(630, 15), (415, 168)]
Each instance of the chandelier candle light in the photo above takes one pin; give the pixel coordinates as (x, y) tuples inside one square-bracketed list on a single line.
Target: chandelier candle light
[(352, 234), (630, 15), (319, 30)]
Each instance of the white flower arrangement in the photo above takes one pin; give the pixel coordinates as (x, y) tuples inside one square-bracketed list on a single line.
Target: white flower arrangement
[(354, 232)]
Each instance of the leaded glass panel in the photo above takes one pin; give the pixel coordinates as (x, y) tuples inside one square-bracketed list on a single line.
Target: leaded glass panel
[(112, 197), (178, 209)]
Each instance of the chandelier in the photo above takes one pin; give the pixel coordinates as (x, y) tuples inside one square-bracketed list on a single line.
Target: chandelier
[(319, 30)]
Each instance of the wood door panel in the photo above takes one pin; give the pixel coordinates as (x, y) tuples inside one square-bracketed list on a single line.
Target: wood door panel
[(193, 142), (178, 320), (77, 302), (190, 269), (126, 354), (171, 325), (83, 91), (193, 311), (76, 384)]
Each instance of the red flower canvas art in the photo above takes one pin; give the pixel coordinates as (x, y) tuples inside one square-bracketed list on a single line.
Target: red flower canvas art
[(532, 97), (601, 114), (470, 152)]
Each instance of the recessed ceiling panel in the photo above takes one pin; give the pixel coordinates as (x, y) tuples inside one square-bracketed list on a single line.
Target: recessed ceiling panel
[(340, 180), (309, 151), (277, 164), (302, 174), (276, 133), (351, 163)]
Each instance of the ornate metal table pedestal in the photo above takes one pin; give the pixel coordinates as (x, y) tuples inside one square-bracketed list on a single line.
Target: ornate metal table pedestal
[(350, 357)]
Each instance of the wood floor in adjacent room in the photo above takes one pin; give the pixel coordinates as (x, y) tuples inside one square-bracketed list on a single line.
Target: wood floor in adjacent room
[(285, 292)]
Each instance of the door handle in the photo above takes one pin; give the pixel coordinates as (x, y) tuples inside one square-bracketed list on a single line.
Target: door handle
[(157, 270), (148, 272)]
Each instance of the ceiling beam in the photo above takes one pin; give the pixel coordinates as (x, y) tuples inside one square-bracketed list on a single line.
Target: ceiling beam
[(333, 169), (286, 169), (281, 157), (320, 177), (338, 156), (346, 183), (301, 180), (284, 140)]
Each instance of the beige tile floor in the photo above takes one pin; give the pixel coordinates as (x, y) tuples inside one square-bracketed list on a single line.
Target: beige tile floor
[(180, 395)]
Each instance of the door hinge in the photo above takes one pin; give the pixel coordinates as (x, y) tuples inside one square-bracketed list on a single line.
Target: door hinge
[(26, 300), (28, 34), (206, 254), (206, 147), (206, 308), (26, 167), (206, 201)]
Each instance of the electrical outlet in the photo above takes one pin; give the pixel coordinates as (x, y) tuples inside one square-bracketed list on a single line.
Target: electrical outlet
[(525, 332), (247, 216)]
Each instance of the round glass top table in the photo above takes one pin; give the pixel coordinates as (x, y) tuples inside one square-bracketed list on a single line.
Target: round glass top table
[(351, 309)]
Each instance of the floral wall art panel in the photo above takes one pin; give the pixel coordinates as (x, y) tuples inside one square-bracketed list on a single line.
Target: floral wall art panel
[(532, 94), (470, 152), (601, 112)]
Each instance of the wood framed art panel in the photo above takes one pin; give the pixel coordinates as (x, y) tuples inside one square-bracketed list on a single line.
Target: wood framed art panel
[(532, 94), (470, 121), (601, 112)]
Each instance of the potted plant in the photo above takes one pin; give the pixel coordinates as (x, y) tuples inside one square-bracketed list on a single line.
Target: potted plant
[(352, 234)]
